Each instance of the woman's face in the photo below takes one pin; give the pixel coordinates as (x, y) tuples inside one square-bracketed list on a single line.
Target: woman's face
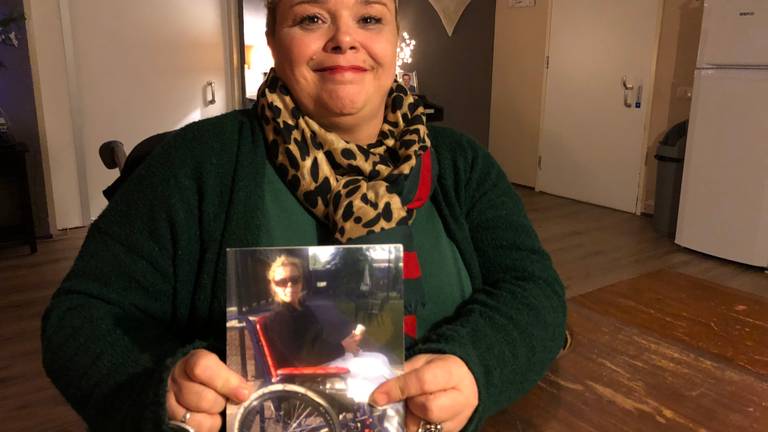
[(336, 56), (286, 284)]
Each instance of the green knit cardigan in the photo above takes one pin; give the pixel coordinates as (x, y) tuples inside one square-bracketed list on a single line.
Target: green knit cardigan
[(149, 283)]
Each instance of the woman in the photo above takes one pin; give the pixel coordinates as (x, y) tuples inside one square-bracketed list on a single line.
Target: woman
[(295, 337), (334, 152), (293, 331)]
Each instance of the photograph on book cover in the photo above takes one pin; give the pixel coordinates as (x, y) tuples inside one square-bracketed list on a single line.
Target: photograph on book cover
[(315, 330)]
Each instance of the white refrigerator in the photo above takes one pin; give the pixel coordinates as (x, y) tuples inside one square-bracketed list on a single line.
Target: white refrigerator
[(724, 197)]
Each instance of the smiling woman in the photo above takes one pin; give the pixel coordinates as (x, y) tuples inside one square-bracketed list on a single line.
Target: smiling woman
[(335, 151), (339, 61)]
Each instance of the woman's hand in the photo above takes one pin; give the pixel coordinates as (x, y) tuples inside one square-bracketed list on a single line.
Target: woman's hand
[(351, 343), (200, 384), (437, 388)]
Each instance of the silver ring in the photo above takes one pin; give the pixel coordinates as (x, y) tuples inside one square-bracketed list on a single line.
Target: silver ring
[(185, 417), (430, 427)]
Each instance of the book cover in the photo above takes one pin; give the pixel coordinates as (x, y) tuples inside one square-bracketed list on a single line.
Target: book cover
[(315, 330)]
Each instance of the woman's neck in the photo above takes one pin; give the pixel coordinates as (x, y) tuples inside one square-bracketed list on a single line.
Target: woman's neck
[(353, 129)]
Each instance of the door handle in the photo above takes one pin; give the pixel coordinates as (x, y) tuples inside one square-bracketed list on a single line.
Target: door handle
[(212, 86), (628, 98), (626, 84), (627, 91)]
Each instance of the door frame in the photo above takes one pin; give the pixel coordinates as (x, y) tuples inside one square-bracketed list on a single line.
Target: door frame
[(642, 163), (233, 28), (75, 112)]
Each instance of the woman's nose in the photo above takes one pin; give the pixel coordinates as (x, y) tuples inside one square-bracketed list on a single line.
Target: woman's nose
[(342, 39)]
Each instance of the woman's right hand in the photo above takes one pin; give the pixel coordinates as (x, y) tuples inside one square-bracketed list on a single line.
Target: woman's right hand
[(200, 384), (351, 343)]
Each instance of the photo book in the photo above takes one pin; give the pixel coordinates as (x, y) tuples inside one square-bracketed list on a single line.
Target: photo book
[(314, 331)]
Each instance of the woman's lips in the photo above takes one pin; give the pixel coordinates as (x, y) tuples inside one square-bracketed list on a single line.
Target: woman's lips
[(341, 69)]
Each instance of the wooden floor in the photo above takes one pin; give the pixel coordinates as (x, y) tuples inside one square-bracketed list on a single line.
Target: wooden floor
[(28, 400), (591, 247)]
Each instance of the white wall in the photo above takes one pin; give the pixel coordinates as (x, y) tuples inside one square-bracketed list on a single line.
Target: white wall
[(518, 79), (54, 115)]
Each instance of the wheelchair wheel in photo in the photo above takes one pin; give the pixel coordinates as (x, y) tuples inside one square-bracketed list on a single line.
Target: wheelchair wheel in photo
[(286, 408)]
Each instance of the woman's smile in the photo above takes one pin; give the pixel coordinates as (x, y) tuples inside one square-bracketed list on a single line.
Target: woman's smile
[(340, 69)]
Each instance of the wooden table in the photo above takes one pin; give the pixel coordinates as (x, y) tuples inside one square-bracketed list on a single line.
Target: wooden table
[(662, 352)]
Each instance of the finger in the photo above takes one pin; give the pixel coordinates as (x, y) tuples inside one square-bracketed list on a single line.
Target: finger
[(437, 407), (196, 397), (206, 368), (418, 361), (412, 421), (435, 375), (454, 425), (200, 422)]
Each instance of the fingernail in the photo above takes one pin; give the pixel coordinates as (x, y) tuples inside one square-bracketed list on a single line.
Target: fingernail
[(378, 400)]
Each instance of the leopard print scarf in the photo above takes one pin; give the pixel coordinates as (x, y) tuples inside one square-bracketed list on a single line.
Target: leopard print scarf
[(356, 189)]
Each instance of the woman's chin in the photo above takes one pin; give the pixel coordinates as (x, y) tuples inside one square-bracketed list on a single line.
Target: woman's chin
[(349, 103)]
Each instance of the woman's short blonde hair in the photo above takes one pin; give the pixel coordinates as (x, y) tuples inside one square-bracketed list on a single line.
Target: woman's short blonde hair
[(272, 16), (284, 261)]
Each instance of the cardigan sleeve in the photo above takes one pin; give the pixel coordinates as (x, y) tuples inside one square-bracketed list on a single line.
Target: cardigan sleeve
[(512, 326), (125, 314)]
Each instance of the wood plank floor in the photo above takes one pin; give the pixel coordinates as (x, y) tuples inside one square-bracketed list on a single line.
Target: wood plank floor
[(28, 400), (591, 247)]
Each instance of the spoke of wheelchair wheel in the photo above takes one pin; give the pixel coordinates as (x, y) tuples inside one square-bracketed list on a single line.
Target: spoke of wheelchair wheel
[(304, 412)]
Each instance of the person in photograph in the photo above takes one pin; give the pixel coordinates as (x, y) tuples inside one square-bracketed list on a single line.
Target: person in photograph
[(295, 338), (335, 151), (293, 331), (406, 78)]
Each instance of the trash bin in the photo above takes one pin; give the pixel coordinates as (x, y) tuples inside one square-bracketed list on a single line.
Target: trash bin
[(669, 177)]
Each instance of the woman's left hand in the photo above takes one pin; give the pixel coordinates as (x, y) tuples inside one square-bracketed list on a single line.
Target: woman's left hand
[(437, 388)]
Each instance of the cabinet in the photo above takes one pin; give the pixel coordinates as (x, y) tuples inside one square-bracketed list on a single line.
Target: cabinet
[(16, 221)]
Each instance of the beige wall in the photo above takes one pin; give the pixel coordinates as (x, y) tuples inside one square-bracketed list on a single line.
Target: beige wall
[(518, 76), (675, 66), (53, 107), (518, 80)]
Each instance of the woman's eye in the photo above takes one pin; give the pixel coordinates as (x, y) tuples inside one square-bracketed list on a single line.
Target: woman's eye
[(310, 20), (370, 20)]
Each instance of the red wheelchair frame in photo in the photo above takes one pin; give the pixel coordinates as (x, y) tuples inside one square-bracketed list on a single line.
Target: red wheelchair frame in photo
[(300, 399)]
